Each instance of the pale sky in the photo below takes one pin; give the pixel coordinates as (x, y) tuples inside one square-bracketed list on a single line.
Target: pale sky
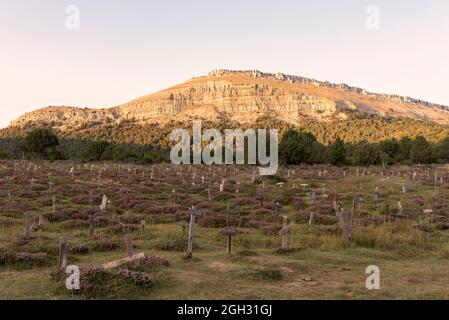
[(126, 49)]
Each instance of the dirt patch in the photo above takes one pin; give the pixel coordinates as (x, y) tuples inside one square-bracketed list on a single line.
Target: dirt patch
[(222, 267)]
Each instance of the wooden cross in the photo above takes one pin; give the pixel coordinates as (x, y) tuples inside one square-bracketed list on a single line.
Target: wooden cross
[(345, 217)]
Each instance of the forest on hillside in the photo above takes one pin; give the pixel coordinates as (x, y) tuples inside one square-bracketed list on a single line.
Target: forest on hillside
[(361, 141)]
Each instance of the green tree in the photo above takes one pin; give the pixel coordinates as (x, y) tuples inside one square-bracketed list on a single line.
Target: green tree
[(442, 150), (297, 147), (366, 154), (40, 141), (337, 152), (389, 151), (405, 145), (421, 151), (95, 150)]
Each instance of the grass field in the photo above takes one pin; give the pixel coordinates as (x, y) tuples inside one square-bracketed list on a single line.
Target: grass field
[(409, 245)]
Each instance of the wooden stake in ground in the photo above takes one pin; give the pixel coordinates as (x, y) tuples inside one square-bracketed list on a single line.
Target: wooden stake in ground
[(278, 206), (40, 222), (260, 197), (229, 233), (285, 232), (400, 208), (312, 216), (387, 211), (27, 225), (129, 245), (62, 254), (53, 201), (104, 203), (142, 225), (91, 224), (345, 217), (193, 214), (209, 197)]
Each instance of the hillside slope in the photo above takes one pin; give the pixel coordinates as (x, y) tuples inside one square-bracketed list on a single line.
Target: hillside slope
[(244, 96)]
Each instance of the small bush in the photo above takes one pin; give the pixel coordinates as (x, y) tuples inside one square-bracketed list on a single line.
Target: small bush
[(176, 245), (267, 274)]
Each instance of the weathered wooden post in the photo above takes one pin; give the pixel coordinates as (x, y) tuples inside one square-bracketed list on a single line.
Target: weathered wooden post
[(312, 214), (435, 180), (40, 222), (260, 197), (278, 206), (313, 195), (193, 214), (284, 233), (104, 203), (209, 189), (62, 254), (53, 201), (229, 233), (142, 225), (27, 225), (387, 212), (376, 193), (129, 245), (91, 224), (311, 218), (400, 208)]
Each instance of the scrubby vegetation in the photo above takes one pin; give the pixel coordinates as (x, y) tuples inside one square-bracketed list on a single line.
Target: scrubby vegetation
[(361, 141)]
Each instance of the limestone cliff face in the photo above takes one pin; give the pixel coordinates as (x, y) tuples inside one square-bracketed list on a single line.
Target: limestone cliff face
[(243, 96), (239, 99)]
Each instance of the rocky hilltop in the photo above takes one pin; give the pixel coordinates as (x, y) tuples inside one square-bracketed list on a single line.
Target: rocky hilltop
[(244, 96)]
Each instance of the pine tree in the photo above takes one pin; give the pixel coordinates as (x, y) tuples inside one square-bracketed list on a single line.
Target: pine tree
[(421, 151)]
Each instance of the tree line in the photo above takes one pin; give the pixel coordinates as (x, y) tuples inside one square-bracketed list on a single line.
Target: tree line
[(295, 147), (299, 147)]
